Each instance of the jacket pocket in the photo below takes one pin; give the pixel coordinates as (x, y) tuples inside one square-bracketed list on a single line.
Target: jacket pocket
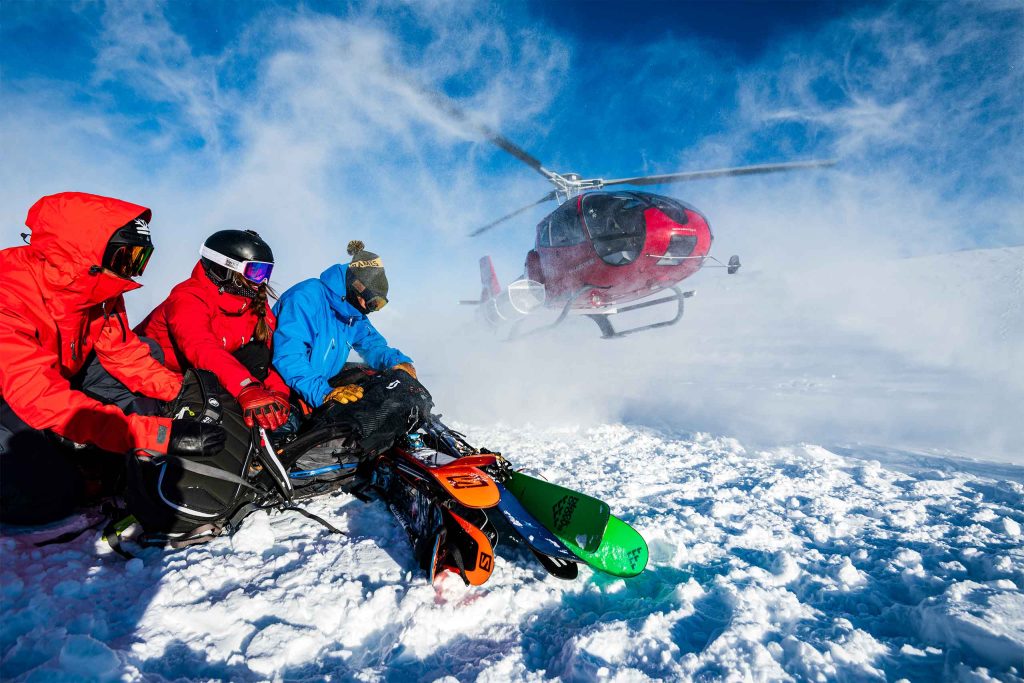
[(330, 347)]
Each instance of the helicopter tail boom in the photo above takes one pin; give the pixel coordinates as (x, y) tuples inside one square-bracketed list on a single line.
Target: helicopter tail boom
[(500, 304), (488, 279), (490, 287)]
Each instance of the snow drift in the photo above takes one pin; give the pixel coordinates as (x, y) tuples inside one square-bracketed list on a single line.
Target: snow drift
[(788, 563)]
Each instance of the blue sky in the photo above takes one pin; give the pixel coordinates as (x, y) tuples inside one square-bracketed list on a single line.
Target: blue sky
[(287, 117), (610, 45)]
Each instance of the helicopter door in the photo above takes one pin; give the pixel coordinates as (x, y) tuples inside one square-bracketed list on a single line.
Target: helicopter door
[(561, 247), (616, 224), (533, 270)]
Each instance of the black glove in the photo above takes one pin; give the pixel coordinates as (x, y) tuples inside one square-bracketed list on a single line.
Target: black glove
[(196, 438)]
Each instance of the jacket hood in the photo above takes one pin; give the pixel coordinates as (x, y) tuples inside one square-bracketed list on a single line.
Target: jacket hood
[(71, 229), (334, 279)]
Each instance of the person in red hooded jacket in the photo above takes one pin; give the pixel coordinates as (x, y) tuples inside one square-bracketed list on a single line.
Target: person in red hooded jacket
[(218, 320), (61, 300)]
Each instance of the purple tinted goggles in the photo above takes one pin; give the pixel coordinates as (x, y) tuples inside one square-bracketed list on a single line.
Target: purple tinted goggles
[(257, 271)]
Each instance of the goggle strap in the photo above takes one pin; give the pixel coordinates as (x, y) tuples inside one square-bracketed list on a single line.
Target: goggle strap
[(226, 261), (221, 260)]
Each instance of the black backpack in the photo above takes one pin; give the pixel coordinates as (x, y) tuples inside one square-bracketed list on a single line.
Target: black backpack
[(180, 501), (393, 404)]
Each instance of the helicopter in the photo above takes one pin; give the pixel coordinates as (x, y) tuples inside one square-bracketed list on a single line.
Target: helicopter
[(603, 253)]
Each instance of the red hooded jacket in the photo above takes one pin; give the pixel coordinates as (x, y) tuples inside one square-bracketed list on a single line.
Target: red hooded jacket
[(56, 306), (198, 325)]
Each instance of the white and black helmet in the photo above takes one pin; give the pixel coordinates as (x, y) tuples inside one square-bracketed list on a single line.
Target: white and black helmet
[(237, 251)]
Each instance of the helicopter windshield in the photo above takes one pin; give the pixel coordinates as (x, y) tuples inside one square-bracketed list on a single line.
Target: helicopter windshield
[(616, 224), (562, 228)]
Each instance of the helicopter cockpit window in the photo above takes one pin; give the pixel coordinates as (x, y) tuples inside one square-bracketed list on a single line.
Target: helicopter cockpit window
[(544, 233), (616, 224), (562, 228), (672, 209)]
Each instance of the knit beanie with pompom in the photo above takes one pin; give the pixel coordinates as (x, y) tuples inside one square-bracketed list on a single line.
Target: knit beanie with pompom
[(365, 272)]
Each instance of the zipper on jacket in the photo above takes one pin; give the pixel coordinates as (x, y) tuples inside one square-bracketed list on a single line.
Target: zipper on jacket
[(76, 343), (330, 347), (124, 328)]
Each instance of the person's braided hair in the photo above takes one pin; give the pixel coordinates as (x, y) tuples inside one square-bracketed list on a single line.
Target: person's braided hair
[(260, 294), (259, 307)]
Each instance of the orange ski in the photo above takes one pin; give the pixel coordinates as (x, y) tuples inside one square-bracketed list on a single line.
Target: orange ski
[(468, 485), (467, 551), (481, 460)]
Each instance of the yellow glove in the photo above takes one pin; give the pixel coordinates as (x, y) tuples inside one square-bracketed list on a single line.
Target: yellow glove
[(406, 367), (350, 393)]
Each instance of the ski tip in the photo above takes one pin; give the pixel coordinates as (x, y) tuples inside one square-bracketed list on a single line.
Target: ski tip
[(476, 555), (470, 486)]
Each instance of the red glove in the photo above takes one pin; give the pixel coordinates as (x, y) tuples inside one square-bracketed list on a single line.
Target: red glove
[(268, 409)]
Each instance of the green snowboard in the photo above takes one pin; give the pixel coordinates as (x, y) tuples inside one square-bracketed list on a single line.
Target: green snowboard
[(623, 551), (578, 520), (584, 524)]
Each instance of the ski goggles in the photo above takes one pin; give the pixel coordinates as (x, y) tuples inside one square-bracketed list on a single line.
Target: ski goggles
[(375, 303), (127, 260), (372, 301), (256, 272)]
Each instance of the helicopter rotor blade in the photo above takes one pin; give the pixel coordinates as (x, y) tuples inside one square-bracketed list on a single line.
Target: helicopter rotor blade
[(546, 198), (446, 105), (721, 172)]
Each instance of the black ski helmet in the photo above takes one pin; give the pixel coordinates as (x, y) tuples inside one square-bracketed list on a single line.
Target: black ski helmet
[(226, 252), (129, 248)]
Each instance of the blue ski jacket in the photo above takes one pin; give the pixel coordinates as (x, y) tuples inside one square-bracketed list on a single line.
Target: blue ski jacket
[(316, 329)]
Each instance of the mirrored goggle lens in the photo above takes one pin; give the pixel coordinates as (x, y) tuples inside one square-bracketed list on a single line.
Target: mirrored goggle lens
[(257, 271), (376, 303), (130, 261)]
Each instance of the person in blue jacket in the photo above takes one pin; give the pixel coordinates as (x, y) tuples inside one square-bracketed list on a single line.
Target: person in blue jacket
[(321, 319)]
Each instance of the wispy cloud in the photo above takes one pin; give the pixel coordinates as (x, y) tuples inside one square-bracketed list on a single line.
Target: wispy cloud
[(140, 51)]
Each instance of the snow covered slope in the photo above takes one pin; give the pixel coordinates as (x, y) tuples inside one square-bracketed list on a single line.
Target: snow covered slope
[(781, 564)]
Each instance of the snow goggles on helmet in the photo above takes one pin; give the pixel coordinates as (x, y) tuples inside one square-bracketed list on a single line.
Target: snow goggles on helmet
[(129, 248), (256, 272), (127, 260)]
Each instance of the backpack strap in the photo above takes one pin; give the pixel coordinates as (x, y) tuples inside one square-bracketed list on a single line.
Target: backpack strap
[(69, 536), (459, 564), (113, 530), (323, 522), (208, 471)]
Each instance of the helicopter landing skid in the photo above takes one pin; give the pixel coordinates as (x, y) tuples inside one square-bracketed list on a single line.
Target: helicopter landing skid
[(608, 331), (603, 320), (515, 334)]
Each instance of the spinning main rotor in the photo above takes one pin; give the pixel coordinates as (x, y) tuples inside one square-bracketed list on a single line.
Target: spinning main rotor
[(571, 184)]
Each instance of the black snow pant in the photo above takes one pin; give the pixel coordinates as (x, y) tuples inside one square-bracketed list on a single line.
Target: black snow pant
[(44, 477)]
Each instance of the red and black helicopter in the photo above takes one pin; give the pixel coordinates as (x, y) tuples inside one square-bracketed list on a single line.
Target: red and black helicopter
[(604, 253)]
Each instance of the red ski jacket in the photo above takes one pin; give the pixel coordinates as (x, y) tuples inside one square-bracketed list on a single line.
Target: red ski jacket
[(200, 326), (56, 306)]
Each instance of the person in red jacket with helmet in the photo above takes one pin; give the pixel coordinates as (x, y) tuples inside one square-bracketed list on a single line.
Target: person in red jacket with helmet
[(218, 320), (61, 300)]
